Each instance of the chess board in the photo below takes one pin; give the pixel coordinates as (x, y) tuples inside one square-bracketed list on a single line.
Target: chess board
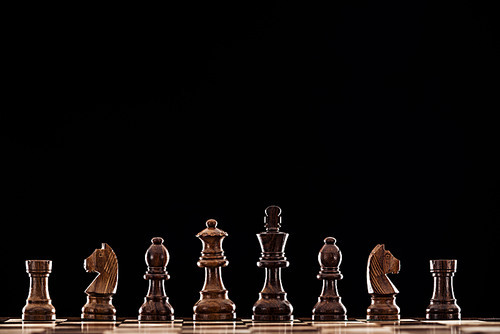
[(241, 326)]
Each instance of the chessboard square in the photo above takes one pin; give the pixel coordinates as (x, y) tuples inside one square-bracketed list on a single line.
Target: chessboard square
[(275, 329), (321, 324), (21, 321), (479, 329), (149, 330), (21, 330), (215, 330), (358, 330), (455, 322)]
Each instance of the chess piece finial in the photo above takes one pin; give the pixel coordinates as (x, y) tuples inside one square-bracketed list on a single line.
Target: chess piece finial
[(214, 303), (156, 306), (329, 306), (272, 304), (383, 293), (272, 220), (100, 292), (39, 305), (443, 305)]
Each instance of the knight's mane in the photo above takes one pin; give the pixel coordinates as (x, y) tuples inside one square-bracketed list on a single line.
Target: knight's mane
[(111, 268), (106, 281), (377, 280)]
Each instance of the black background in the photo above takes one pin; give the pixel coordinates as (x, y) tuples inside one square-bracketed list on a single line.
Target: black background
[(372, 123)]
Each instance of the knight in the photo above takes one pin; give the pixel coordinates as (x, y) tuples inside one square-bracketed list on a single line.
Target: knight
[(383, 292), (100, 292)]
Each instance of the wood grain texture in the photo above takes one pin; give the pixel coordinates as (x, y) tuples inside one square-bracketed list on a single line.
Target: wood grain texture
[(272, 304), (329, 306), (383, 292), (214, 303), (100, 292), (443, 305), (39, 305), (156, 306)]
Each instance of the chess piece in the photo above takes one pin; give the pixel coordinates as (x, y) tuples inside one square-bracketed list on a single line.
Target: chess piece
[(272, 304), (39, 305), (329, 306), (100, 292), (156, 306), (214, 303), (383, 293), (443, 305)]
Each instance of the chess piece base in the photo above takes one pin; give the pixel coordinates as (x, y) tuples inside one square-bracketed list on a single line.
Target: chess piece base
[(439, 310), (329, 317), (383, 307), (39, 311), (156, 317), (329, 306), (272, 317), (214, 316), (156, 309), (272, 307), (99, 308)]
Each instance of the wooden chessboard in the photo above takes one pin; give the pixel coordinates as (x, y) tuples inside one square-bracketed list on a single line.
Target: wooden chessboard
[(241, 326)]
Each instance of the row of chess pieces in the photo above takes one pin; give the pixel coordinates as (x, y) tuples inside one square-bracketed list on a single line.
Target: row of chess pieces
[(214, 303)]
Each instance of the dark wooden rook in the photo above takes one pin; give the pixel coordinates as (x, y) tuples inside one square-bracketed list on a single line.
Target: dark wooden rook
[(272, 304), (156, 306), (383, 293), (329, 306), (214, 303), (100, 292), (39, 305), (443, 305)]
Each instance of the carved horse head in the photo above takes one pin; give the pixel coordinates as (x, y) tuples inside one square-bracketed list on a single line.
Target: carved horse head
[(104, 262), (380, 263)]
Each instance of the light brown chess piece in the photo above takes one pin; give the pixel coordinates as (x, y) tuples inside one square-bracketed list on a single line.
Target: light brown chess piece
[(383, 293), (100, 292), (214, 303)]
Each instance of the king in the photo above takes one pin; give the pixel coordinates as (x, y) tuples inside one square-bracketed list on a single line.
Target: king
[(272, 304)]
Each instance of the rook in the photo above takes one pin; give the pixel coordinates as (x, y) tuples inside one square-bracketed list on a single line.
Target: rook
[(443, 305), (39, 305)]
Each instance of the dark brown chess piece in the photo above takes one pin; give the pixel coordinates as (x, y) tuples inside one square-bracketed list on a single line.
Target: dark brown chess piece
[(383, 293), (156, 306), (443, 305), (272, 304), (39, 305), (100, 292), (214, 303), (329, 306)]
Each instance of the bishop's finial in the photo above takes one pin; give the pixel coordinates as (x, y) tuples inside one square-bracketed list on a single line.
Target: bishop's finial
[(272, 220), (211, 223)]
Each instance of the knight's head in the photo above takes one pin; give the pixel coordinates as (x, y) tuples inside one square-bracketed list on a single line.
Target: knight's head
[(97, 260), (380, 263), (391, 264)]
